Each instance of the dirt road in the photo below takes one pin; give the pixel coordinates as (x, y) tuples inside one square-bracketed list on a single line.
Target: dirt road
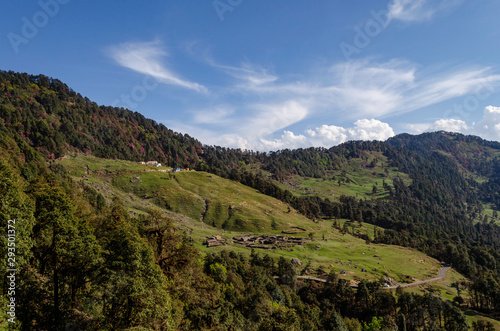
[(442, 274)]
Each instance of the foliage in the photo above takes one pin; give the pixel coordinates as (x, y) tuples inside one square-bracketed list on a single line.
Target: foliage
[(87, 264)]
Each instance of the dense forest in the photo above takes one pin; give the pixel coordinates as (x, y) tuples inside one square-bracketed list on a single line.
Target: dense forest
[(84, 264)]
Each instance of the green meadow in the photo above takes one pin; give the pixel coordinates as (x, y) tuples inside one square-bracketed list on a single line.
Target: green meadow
[(356, 177), (204, 204)]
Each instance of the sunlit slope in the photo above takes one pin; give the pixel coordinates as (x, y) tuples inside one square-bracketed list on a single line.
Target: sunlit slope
[(204, 205), (213, 200), (369, 176)]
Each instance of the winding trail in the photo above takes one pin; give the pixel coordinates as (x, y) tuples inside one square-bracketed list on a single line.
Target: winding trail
[(312, 278), (442, 274)]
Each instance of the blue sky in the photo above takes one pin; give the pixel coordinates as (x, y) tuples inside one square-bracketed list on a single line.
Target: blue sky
[(268, 75)]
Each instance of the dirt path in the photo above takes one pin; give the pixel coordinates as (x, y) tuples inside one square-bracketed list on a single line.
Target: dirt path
[(441, 275), (312, 278)]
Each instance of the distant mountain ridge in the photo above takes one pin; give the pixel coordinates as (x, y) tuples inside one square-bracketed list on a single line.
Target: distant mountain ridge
[(54, 119)]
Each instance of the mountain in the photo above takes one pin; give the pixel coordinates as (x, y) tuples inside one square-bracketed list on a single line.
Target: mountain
[(54, 119), (97, 247)]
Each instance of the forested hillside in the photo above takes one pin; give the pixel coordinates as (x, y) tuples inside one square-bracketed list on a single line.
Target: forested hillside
[(83, 263), (53, 119)]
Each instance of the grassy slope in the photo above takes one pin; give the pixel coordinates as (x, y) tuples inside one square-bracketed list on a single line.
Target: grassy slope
[(188, 192), (355, 176), (338, 252), (197, 195), (235, 208)]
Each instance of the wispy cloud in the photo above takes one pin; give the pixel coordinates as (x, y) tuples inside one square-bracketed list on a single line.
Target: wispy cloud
[(324, 135), (148, 58), (364, 88), (270, 118), (395, 87), (254, 103), (345, 91), (489, 126), (221, 115), (444, 86), (419, 10), (247, 73)]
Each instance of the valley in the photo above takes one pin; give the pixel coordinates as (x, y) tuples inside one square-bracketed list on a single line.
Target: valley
[(235, 209), (185, 193)]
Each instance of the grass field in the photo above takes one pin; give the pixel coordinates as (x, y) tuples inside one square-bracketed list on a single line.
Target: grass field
[(203, 204), (229, 208), (199, 196), (337, 252), (355, 178)]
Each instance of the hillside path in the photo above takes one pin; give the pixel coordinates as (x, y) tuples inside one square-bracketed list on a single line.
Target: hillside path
[(442, 274)]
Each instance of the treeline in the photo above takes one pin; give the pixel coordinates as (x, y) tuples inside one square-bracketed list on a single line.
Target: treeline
[(452, 176), (436, 213), (84, 264)]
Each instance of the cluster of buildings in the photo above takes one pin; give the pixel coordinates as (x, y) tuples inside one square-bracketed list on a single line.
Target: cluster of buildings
[(262, 241), (158, 164), (153, 163)]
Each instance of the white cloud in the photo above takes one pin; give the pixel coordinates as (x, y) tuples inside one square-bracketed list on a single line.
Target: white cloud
[(410, 10), (248, 73), (329, 135), (219, 116), (346, 91), (489, 126), (416, 128), (419, 10), (395, 87), (363, 88), (364, 129), (262, 103), (288, 140), (445, 86), (270, 118), (147, 58), (371, 89), (245, 130), (449, 125)]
